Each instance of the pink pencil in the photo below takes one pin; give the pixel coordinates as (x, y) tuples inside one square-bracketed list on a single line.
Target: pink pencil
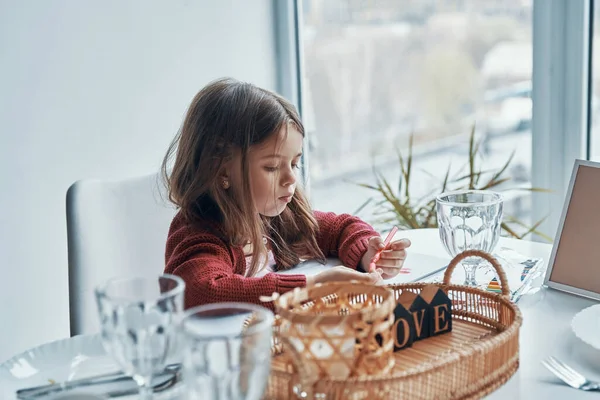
[(386, 242)]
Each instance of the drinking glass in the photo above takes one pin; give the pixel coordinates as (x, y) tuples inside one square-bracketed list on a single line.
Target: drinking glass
[(139, 320), (228, 351), (469, 220)]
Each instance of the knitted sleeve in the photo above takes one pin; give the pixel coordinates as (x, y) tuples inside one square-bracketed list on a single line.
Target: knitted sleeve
[(343, 236), (205, 264)]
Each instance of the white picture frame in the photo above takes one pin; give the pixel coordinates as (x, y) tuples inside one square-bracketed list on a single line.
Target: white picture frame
[(571, 267)]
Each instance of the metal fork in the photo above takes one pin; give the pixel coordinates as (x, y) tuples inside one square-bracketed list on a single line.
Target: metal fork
[(171, 370), (161, 387), (569, 375)]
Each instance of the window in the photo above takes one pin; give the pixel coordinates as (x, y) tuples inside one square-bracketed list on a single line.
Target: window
[(377, 71), (595, 86)]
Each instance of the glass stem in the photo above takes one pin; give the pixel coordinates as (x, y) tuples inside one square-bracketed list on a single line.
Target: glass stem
[(470, 269), (144, 388), (146, 392)]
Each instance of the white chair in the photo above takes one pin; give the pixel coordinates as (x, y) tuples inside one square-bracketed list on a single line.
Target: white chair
[(114, 228)]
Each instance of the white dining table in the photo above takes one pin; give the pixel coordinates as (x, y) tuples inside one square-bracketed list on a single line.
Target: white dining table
[(546, 329)]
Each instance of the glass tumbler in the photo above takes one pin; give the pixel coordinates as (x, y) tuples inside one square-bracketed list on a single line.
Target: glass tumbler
[(227, 351), (139, 318)]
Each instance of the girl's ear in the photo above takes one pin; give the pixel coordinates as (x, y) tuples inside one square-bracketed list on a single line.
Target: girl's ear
[(225, 183), (224, 176), (229, 171)]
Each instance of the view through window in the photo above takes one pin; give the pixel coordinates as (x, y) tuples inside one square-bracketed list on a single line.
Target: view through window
[(376, 71)]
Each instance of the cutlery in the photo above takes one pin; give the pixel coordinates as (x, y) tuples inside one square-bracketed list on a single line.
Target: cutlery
[(569, 375), (157, 388), (114, 377)]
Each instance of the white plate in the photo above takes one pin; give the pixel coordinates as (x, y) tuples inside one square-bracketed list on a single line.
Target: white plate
[(62, 360), (586, 326)]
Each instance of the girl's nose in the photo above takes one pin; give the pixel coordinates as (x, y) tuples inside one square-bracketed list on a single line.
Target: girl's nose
[(288, 178)]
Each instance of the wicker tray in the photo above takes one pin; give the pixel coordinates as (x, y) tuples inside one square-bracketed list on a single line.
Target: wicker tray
[(479, 355)]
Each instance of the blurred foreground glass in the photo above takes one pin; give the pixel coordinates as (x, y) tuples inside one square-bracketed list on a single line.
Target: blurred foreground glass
[(469, 220), (228, 351), (139, 320)]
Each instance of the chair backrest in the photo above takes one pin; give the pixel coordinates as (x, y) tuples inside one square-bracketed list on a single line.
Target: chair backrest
[(114, 228)]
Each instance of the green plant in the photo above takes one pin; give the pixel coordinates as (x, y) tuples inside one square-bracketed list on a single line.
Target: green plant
[(397, 206)]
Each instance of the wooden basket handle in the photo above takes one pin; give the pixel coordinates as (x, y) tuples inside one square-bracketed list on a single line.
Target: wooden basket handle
[(485, 256)]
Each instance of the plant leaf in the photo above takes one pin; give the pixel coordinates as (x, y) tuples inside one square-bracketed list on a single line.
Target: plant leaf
[(409, 164), (492, 184), (445, 182), (366, 185), (512, 233), (478, 173), (532, 229), (396, 205), (473, 150), (501, 171), (363, 205), (403, 209), (535, 189)]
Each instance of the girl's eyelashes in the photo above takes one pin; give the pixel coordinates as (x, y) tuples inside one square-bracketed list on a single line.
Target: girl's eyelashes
[(275, 168)]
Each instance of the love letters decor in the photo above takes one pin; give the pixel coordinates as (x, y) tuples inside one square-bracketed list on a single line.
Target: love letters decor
[(419, 316)]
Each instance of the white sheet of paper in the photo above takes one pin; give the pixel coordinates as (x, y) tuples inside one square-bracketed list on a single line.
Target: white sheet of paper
[(420, 265)]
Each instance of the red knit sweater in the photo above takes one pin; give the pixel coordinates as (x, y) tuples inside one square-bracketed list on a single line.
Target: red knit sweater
[(214, 271)]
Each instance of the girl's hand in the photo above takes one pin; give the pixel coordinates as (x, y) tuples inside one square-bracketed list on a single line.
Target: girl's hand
[(341, 273), (391, 259)]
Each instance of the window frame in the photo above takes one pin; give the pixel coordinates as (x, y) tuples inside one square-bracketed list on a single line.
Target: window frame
[(290, 63), (561, 85)]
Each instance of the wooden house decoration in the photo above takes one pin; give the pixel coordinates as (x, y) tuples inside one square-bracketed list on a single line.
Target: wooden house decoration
[(420, 311), (403, 327), (440, 307)]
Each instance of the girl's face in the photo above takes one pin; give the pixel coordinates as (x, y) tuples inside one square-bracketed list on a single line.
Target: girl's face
[(273, 166)]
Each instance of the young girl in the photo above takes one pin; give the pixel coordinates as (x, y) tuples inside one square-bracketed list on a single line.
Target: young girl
[(242, 213)]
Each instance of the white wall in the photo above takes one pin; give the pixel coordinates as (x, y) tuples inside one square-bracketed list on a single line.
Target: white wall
[(97, 89)]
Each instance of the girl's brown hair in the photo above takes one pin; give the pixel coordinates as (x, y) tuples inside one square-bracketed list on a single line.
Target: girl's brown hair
[(224, 117)]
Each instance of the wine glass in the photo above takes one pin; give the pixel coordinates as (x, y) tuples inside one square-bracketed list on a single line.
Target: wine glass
[(139, 324), (228, 351), (469, 220)]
